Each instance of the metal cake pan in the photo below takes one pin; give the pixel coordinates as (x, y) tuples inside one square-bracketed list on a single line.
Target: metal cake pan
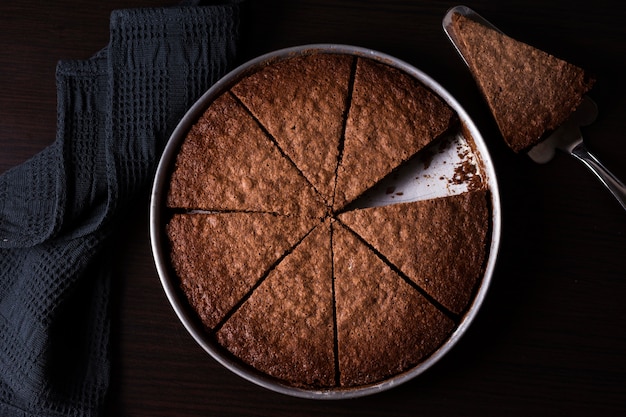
[(442, 179)]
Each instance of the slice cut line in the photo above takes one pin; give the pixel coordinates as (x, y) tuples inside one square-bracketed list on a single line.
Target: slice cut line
[(329, 266), (227, 163), (219, 257), (439, 244), (384, 325), (285, 327), (301, 102), (391, 117)]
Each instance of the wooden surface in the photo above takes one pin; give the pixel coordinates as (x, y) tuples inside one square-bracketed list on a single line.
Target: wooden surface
[(551, 337)]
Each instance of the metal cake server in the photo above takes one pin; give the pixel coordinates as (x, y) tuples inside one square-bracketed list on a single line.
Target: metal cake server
[(568, 137)]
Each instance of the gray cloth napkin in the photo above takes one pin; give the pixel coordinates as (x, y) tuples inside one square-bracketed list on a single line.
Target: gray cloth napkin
[(59, 209)]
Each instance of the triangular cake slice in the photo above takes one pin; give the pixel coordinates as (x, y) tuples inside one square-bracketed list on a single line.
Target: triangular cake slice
[(384, 325), (392, 116), (529, 92), (302, 102), (228, 163), (440, 244), (219, 257), (285, 328)]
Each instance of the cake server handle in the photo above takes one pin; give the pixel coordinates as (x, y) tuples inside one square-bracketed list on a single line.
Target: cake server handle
[(610, 181)]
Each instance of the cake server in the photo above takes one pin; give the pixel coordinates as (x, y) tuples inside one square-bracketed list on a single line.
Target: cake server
[(568, 137)]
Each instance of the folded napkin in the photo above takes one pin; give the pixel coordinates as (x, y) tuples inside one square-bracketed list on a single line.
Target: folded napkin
[(59, 209)]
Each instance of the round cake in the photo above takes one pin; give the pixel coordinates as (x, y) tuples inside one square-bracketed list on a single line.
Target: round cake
[(287, 273)]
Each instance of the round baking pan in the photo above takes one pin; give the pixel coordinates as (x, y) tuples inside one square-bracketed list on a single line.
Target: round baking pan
[(468, 134)]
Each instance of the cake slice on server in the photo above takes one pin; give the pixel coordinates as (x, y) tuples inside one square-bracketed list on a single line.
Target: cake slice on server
[(219, 257), (302, 103), (529, 92), (227, 163), (439, 244), (392, 116)]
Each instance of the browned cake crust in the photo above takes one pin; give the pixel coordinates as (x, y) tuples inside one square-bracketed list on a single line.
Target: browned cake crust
[(439, 244), (529, 92), (392, 116), (219, 257), (302, 102), (285, 328), (311, 302), (227, 163), (384, 326)]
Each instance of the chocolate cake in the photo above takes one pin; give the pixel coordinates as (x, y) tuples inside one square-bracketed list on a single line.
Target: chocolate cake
[(228, 163), (384, 326), (301, 102), (392, 116), (285, 328), (282, 273), (529, 92), (444, 254), (219, 257)]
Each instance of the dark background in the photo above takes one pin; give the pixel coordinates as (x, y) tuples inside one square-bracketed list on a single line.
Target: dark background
[(550, 338)]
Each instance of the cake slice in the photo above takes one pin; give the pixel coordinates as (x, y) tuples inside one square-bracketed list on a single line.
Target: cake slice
[(301, 102), (384, 325), (392, 116), (227, 162), (530, 92), (220, 257), (440, 244), (285, 328)]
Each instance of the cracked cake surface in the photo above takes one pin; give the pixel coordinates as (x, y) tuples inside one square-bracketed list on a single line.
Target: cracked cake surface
[(433, 242), (283, 276), (529, 92), (384, 326), (285, 328), (227, 163), (219, 257), (392, 116), (301, 102)]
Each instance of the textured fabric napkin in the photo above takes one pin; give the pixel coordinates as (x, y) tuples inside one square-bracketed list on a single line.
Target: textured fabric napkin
[(57, 210)]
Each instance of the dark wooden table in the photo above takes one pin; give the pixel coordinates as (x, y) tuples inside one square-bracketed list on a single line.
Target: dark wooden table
[(551, 337)]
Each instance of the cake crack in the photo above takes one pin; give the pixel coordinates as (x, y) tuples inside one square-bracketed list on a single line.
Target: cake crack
[(275, 142), (256, 285), (344, 123), (450, 314), (302, 255), (334, 298)]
